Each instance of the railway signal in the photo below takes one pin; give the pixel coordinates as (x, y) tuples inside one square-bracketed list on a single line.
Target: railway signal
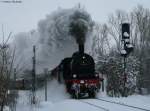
[(127, 48)]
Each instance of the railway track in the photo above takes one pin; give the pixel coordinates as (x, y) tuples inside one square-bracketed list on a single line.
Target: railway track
[(122, 104), (99, 107)]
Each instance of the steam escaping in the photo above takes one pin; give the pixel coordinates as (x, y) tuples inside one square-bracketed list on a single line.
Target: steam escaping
[(80, 25), (53, 39), (55, 92)]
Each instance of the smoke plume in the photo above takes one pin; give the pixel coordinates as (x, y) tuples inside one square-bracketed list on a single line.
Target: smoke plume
[(53, 39), (80, 25)]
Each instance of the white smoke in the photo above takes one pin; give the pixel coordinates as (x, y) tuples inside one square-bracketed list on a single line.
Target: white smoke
[(52, 39), (55, 92)]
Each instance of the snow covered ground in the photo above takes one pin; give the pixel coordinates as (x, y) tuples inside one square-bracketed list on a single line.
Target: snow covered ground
[(58, 100)]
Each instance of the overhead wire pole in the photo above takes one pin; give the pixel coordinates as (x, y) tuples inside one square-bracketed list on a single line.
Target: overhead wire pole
[(15, 78), (34, 75), (15, 101), (45, 71)]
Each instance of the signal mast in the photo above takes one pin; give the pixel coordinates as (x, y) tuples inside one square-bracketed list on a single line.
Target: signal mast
[(127, 48)]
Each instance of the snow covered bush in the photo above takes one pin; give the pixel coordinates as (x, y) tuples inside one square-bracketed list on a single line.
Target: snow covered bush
[(113, 67)]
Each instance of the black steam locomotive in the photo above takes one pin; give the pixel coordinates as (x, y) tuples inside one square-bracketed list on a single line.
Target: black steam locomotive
[(78, 74)]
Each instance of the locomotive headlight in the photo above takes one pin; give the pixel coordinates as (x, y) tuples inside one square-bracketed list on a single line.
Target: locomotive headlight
[(74, 75), (86, 84), (83, 57), (82, 81), (96, 75)]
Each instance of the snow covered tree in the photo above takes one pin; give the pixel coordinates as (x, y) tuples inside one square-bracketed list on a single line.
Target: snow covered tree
[(112, 66), (100, 41), (6, 66), (139, 33), (114, 27), (133, 72), (141, 21)]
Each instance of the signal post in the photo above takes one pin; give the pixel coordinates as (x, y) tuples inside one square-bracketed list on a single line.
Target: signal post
[(127, 48)]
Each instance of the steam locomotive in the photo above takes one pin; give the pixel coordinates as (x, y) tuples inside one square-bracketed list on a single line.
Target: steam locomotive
[(78, 74)]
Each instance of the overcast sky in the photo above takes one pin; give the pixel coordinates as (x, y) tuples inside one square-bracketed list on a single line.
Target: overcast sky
[(25, 16)]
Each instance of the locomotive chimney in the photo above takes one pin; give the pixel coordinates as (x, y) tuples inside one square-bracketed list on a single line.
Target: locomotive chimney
[(81, 48)]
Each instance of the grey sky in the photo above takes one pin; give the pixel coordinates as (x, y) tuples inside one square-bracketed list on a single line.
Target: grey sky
[(25, 16)]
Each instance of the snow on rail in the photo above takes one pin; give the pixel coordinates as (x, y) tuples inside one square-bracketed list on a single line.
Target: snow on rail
[(95, 106), (135, 107)]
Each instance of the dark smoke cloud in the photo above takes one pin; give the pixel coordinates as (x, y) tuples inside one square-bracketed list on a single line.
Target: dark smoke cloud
[(80, 25)]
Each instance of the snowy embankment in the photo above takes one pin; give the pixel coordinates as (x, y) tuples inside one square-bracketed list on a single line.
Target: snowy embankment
[(68, 105), (56, 93), (58, 100), (134, 100), (78, 105)]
